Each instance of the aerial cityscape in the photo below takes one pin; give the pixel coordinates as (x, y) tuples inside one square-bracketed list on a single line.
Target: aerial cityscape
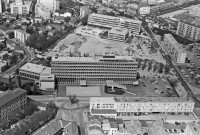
[(99, 67)]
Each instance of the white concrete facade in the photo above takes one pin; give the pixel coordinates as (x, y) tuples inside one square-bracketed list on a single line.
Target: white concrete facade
[(189, 31), (109, 21), (33, 71), (20, 7), (140, 104), (120, 69), (21, 35), (118, 34), (174, 49)]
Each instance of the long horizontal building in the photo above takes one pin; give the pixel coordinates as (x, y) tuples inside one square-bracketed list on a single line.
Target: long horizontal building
[(94, 70), (111, 107), (110, 21), (174, 49)]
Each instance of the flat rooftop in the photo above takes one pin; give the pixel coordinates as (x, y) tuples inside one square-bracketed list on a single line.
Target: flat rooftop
[(31, 67), (141, 99), (119, 31), (102, 99), (92, 59), (176, 45), (120, 19), (188, 19)]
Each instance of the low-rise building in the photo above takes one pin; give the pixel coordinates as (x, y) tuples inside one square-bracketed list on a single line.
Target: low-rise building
[(47, 80), (3, 55), (3, 66), (174, 49), (94, 127), (19, 7), (12, 101), (21, 35), (113, 107), (118, 34), (55, 127), (32, 71)]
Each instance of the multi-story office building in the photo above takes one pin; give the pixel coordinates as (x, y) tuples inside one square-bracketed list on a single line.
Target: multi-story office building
[(11, 101), (33, 71), (110, 21), (111, 107), (19, 7), (188, 27), (21, 35), (118, 34), (95, 70), (174, 49)]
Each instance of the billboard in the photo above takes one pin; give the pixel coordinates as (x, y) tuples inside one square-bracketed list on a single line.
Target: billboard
[(144, 10)]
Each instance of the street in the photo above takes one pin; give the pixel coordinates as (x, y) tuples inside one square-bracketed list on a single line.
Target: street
[(168, 60)]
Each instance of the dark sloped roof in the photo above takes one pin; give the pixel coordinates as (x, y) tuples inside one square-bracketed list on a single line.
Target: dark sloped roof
[(10, 95), (103, 111)]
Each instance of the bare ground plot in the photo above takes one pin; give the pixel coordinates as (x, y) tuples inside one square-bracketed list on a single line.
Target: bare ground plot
[(99, 46)]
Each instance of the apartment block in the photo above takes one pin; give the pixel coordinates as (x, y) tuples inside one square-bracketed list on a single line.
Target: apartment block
[(19, 7), (110, 21), (189, 29), (11, 102), (177, 53), (94, 70), (112, 107), (21, 35), (118, 34)]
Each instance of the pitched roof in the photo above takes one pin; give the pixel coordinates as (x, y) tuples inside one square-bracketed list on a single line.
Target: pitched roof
[(52, 127), (10, 95), (103, 111)]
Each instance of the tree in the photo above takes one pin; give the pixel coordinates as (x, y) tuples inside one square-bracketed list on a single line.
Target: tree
[(150, 65), (73, 99), (173, 82), (19, 81), (27, 88), (154, 67), (67, 19), (35, 89), (161, 66), (167, 68), (137, 76), (13, 59)]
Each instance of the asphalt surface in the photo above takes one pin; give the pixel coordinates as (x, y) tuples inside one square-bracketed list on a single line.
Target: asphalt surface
[(168, 59)]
